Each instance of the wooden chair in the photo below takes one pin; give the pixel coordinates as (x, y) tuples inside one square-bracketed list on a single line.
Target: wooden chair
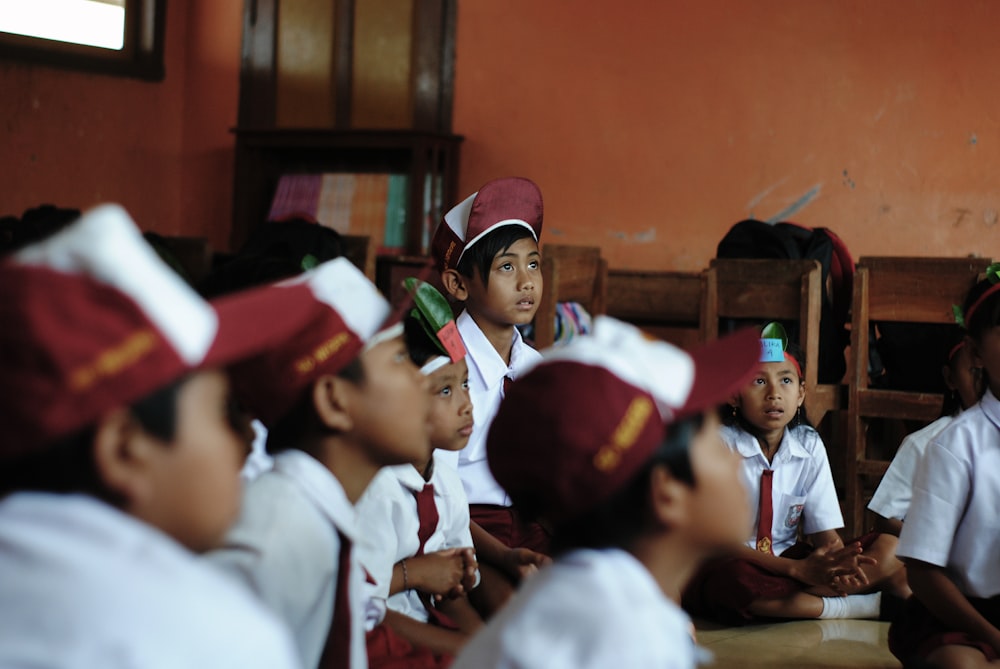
[(571, 274), (905, 290), (773, 290), (667, 305), (360, 251)]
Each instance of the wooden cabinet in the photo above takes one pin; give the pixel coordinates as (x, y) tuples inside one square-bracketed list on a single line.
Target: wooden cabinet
[(332, 86)]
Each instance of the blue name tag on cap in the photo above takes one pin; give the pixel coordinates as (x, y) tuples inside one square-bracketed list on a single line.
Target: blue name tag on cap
[(771, 350)]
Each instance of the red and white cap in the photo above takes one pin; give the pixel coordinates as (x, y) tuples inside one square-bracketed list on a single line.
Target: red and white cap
[(352, 315), (507, 201), (91, 319), (582, 423)]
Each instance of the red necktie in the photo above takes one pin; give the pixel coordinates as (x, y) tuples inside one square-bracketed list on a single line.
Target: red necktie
[(766, 512), (506, 384), (427, 512), (337, 651)]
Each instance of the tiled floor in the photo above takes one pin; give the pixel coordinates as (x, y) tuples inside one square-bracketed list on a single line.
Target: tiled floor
[(803, 644)]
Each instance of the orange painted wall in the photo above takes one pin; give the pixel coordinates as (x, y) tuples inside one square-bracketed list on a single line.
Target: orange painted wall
[(652, 126), (162, 149)]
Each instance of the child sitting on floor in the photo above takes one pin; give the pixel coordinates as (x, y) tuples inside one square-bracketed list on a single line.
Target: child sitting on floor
[(339, 402), (614, 439), (486, 249), (950, 541), (787, 473), (964, 381), (417, 544), (119, 459)]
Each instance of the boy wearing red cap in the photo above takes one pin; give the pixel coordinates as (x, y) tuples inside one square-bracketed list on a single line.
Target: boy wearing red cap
[(486, 249), (339, 401), (614, 439), (120, 457)]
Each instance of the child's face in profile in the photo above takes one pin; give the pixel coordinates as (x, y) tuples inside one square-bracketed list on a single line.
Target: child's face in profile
[(963, 376), (451, 408), (772, 397), (515, 286), (987, 353), (721, 516), (390, 409), (194, 486)]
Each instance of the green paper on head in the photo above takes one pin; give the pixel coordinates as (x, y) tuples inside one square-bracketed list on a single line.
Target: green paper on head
[(993, 273), (773, 343), (434, 313)]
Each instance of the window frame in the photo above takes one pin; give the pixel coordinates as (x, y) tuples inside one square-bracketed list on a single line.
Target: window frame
[(141, 56)]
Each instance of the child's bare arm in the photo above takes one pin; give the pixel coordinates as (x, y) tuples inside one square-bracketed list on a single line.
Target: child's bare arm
[(939, 594), (515, 562), (462, 613), (438, 639), (438, 573), (891, 526)]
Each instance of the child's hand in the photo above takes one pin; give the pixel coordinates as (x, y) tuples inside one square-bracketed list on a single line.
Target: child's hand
[(439, 573), (471, 566), (523, 562), (838, 568)]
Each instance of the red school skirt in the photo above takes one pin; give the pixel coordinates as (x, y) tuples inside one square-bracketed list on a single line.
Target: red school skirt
[(723, 589), (507, 525), (916, 632)]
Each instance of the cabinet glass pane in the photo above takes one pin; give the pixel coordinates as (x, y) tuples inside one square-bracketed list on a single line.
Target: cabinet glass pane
[(382, 90), (305, 64)]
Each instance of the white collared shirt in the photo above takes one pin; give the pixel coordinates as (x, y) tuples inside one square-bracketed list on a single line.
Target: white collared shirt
[(802, 489), (84, 585), (589, 609), (892, 497), (953, 520), (388, 513), (285, 547), (486, 373)]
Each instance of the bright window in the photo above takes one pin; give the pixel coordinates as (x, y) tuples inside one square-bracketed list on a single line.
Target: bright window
[(99, 23), (112, 36)]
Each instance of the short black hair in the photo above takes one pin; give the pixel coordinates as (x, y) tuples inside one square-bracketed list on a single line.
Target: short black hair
[(420, 345), (621, 519), (68, 465), (480, 256), (291, 430)]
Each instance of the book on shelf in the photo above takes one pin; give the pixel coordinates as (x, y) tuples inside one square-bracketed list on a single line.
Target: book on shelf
[(352, 203)]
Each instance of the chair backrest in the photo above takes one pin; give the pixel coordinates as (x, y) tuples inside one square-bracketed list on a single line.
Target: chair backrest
[(774, 290), (571, 274), (667, 304), (360, 251), (893, 290)]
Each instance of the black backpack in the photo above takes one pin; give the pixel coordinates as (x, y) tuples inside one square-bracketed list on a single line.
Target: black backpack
[(757, 239)]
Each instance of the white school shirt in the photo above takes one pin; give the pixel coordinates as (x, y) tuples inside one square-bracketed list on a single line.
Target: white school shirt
[(589, 609), (486, 373), (953, 520), (387, 514), (258, 461), (285, 547), (85, 585), (802, 489), (892, 497)]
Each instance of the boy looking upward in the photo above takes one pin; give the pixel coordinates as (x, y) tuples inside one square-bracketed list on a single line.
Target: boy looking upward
[(486, 249)]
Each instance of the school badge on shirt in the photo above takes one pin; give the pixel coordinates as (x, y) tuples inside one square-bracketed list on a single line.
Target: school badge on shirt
[(794, 513)]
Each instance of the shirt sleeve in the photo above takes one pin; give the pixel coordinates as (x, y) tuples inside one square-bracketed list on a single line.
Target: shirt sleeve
[(379, 541), (892, 497), (940, 492)]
